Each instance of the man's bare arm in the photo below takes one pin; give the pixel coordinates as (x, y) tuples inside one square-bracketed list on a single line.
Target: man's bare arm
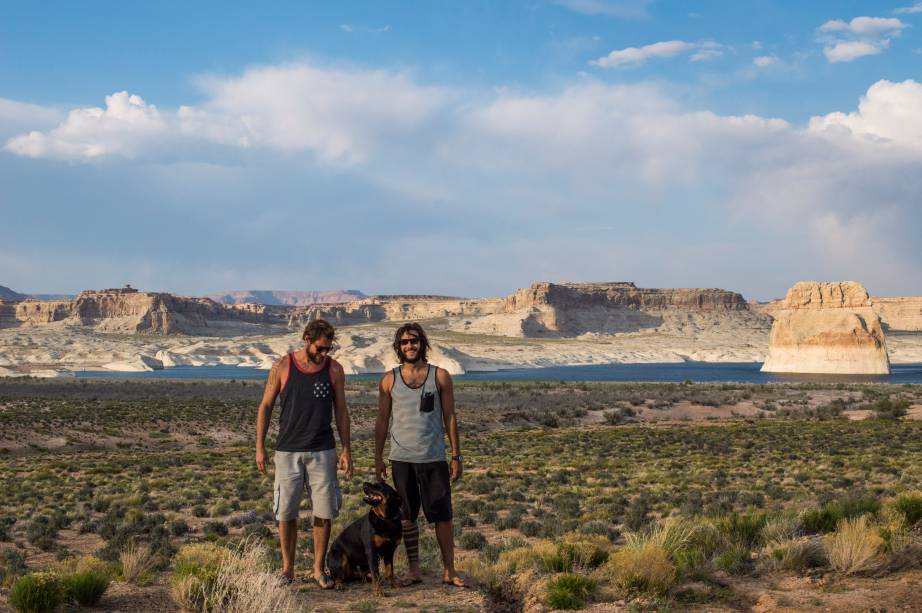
[(450, 419), (383, 422), (273, 386), (343, 423)]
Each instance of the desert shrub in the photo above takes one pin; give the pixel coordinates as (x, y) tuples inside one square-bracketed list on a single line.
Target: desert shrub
[(215, 529), (569, 591), (6, 522), (854, 547), (136, 563), (645, 570), (210, 579), (827, 517), (735, 559), (530, 527), (42, 532), (637, 513), (85, 587), (12, 564), (36, 593), (583, 550), (472, 540), (687, 543), (909, 505), (178, 527), (796, 554), (219, 509), (890, 409), (742, 528)]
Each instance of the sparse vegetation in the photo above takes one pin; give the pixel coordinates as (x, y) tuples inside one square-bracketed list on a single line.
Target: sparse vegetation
[(567, 486)]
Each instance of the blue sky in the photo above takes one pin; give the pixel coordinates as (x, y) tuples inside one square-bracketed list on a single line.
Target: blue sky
[(460, 148)]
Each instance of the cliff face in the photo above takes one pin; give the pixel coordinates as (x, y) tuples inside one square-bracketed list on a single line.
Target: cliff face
[(287, 298), (899, 314), (9, 295), (133, 312), (571, 309), (827, 328)]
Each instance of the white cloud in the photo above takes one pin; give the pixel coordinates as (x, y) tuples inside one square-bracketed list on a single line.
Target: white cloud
[(122, 128), (764, 61), (338, 114), (846, 51), (862, 36), (888, 113), (639, 55), (707, 51), (907, 10), (864, 26)]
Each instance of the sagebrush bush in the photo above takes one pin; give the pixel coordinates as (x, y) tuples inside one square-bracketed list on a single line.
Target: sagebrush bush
[(645, 570), (36, 593), (909, 505), (472, 540), (569, 591), (854, 547), (85, 587), (827, 517), (795, 554)]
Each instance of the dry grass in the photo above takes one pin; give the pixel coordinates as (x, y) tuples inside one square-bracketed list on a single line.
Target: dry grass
[(642, 570), (136, 563), (796, 554), (854, 547), (245, 584)]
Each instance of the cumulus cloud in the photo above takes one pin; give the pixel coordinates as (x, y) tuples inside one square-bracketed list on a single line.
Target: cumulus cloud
[(123, 127), (527, 165), (763, 61), (890, 113), (862, 36), (639, 55), (338, 114)]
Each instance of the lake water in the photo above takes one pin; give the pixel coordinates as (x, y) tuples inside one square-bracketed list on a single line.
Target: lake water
[(745, 372)]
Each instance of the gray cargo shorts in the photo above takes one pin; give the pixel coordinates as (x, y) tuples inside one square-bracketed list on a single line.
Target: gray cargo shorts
[(314, 471)]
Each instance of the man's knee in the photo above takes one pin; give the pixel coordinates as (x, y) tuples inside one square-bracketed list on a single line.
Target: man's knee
[(321, 522)]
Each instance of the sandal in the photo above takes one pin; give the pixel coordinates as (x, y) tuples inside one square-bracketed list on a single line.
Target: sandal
[(408, 581)]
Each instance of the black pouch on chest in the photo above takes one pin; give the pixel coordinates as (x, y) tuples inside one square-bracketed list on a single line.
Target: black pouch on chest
[(426, 402)]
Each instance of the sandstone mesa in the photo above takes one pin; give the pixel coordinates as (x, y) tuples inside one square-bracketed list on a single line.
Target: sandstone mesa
[(827, 328)]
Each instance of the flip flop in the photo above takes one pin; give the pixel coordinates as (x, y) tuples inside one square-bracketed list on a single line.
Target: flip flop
[(408, 581), (324, 581), (455, 581), (285, 579)]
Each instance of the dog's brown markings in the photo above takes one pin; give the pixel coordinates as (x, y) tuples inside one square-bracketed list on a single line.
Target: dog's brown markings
[(380, 540)]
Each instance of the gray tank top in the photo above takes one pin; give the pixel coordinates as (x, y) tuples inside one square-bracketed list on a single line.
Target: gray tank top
[(416, 436)]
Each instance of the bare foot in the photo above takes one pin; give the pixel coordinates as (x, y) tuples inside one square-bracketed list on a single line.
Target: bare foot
[(451, 578)]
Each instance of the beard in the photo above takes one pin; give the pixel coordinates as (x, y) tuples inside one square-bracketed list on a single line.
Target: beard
[(404, 359), (316, 358)]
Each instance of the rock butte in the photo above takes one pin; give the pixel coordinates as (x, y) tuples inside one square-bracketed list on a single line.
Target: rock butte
[(828, 328), (547, 310)]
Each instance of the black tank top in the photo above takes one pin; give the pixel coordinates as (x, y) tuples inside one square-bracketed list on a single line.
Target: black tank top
[(307, 410)]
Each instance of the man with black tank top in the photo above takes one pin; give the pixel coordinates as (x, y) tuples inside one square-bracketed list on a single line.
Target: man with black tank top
[(312, 389), (416, 404)]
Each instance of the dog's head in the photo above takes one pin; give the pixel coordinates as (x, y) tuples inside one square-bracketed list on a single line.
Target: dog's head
[(384, 500)]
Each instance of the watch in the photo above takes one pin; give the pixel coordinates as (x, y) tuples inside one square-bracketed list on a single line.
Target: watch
[(457, 457)]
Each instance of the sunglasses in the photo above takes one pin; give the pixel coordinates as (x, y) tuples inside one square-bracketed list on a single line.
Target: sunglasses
[(408, 341), (323, 348)]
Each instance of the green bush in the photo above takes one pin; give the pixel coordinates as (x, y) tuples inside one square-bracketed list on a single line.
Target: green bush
[(42, 532), (735, 560), (86, 587), (827, 517), (472, 540), (890, 409), (569, 591), (12, 564), (744, 529), (909, 505), (36, 593)]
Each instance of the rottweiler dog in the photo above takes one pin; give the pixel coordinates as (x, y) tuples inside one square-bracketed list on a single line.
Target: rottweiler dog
[(361, 546)]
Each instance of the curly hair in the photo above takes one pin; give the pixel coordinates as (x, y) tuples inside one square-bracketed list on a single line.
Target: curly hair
[(317, 329), (423, 340)]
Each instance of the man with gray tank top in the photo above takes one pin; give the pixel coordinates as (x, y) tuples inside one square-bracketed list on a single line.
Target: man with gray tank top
[(416, 404), (311, 385)]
